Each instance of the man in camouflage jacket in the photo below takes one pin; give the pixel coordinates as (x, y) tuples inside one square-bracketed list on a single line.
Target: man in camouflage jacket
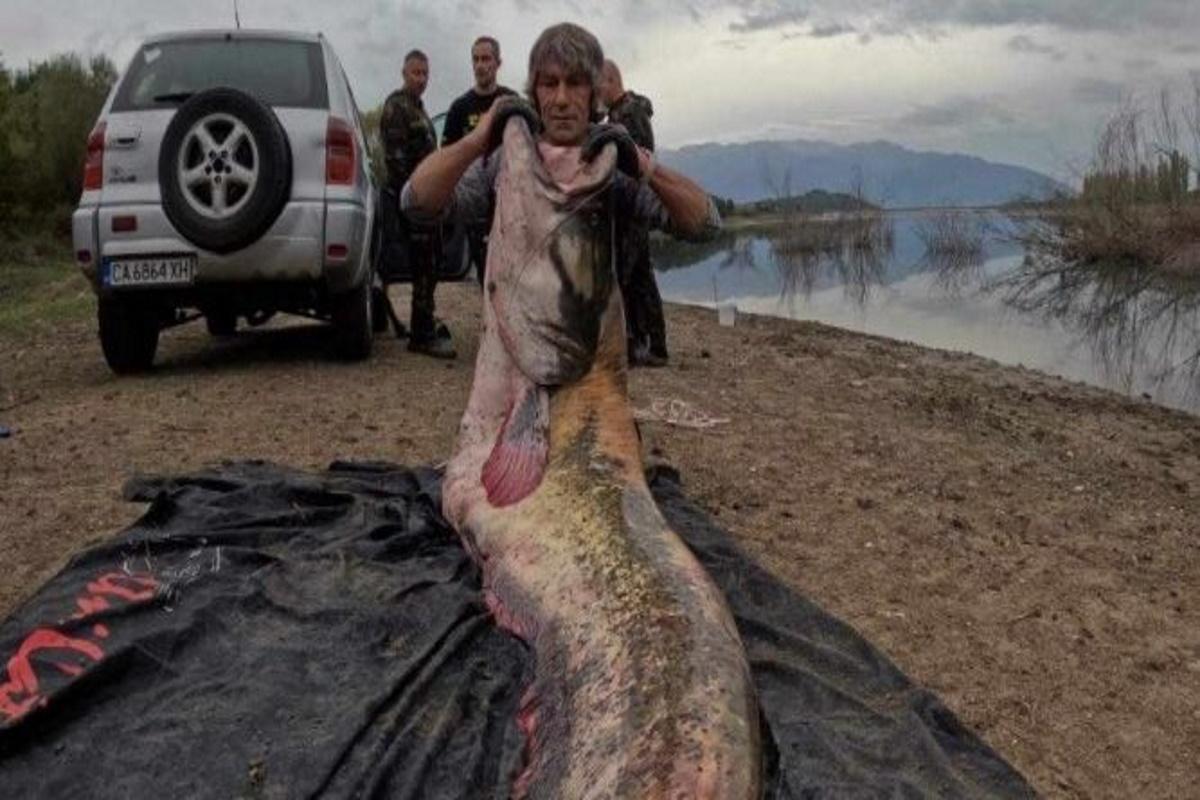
[(408, 137)]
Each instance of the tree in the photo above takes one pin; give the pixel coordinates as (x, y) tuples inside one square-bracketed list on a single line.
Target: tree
[(46, 112)]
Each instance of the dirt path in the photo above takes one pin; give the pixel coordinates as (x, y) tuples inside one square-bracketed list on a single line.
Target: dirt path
[(1028, 548)]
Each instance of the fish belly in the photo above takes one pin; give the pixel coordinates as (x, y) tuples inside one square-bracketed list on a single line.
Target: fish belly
[(642, 688)]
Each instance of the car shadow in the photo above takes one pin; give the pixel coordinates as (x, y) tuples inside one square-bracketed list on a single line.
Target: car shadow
[(284, 345)]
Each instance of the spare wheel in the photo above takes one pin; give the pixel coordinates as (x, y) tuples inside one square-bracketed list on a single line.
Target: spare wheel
[(225, 169)]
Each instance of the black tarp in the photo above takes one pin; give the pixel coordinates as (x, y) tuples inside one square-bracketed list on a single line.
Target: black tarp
[(265, 632)]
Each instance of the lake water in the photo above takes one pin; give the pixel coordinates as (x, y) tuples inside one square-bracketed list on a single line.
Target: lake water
[(1110, 333)]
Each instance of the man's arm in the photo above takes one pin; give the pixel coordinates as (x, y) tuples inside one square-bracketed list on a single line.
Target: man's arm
[(432, 184), (690, 212)]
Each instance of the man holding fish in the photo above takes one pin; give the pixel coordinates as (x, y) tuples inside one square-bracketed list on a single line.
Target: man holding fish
[(564, 90), (640, 688)]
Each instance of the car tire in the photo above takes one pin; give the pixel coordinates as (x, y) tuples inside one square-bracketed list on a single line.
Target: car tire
[(263, 155), (128, 335), (352, 312), (221, 323)]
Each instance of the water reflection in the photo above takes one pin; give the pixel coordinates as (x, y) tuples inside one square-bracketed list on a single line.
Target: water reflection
[(955, 251), (852, 250), (958, 281), (1142, 324)]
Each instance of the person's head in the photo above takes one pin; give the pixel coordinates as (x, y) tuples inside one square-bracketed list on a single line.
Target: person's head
[(416, 72), (563, 82), (612, 86), (485, 61)]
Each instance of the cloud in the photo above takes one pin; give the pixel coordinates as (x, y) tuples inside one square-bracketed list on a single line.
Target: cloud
[(1140, 64), (928, 17), (820, 32), (1025, 44), (830, 30), (694, 56), (957, 112), (1097, 91), (767, 20)]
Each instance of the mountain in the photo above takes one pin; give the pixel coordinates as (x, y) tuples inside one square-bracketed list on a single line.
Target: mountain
[(889, 174)]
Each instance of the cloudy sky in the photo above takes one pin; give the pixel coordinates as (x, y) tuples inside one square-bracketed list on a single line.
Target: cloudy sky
[(1023, 81)]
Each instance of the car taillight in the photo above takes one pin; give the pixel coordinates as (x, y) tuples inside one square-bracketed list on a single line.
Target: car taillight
[(93, 165), (339, 152)]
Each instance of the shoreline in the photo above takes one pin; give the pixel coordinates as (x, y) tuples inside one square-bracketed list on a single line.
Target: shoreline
[(1134, 396)]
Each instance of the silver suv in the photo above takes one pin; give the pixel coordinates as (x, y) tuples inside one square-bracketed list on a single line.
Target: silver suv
[(226, 178)]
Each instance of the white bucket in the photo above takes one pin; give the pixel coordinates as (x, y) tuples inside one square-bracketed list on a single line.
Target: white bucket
[(727, 314)]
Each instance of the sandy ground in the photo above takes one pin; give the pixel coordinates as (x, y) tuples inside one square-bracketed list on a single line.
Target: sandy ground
[(1026, 547)]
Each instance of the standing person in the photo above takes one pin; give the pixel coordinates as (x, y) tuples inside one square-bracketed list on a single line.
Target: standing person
[(408, 138), (646, 328), (464, 114)]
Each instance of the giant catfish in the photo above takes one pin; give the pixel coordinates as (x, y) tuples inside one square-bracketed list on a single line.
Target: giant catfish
[(641, 686)]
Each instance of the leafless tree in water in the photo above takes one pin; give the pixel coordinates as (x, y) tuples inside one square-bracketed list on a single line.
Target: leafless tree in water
[(1135, 318), (851, 248), (954, 247), (1136, 206), (1121, 261)]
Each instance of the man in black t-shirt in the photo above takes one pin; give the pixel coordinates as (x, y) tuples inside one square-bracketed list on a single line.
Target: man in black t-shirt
[(464, 114)]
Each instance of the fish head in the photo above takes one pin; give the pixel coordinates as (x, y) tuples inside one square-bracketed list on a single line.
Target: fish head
[(552, 277)]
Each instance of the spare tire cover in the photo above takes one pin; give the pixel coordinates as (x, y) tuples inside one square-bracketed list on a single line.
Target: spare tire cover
[(225, 169)]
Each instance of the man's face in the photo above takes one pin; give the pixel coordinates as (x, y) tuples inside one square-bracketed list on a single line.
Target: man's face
[(485, 63), (610, 88), (564, 102), (416, 76)]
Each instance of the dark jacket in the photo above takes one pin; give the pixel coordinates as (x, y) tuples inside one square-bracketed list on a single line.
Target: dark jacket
[(634, 112), (407, 136)]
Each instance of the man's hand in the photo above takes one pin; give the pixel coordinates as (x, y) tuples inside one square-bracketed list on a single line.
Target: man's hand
[(628, 158), (492, 124)]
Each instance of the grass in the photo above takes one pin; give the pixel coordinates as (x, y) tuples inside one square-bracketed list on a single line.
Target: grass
[(1098, 233), (40, 286)]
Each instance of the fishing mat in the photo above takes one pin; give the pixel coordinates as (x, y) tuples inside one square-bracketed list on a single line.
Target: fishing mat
[(263, 632)]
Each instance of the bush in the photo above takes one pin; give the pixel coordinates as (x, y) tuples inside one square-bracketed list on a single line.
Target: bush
[(46, 112), (1136, 208)]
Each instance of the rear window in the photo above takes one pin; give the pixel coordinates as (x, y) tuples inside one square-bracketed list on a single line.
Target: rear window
[(279, 73)]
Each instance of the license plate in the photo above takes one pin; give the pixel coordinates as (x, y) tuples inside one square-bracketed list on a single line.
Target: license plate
[(151, 271)]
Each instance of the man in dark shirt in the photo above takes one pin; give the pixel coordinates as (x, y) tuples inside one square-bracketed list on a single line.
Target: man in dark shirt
[(408, 137), (646, 329), (464, 114)]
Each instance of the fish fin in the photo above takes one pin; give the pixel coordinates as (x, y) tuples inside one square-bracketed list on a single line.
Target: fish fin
[(518, 460)]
